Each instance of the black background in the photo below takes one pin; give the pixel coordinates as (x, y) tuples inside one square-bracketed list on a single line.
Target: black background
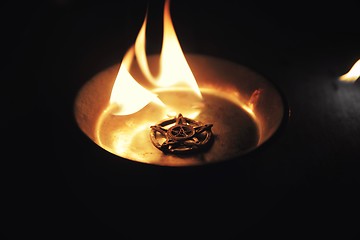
[(301, 184)]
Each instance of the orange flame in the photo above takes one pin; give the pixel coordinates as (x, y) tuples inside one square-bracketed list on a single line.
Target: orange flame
[(128, 95), (353, 74), (125, 85)]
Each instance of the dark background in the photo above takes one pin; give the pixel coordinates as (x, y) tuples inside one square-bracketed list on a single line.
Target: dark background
[(302, 183)]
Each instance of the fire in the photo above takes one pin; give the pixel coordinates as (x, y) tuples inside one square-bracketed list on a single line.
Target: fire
[(353, 74), (121, 106), (126, 91), (174, 72)]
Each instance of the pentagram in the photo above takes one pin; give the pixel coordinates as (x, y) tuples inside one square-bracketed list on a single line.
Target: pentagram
[(180, 134)]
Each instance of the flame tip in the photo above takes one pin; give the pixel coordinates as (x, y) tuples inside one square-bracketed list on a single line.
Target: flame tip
[(353, 74), (174, 69)]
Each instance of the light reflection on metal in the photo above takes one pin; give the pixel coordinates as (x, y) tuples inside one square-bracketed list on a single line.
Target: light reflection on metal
[(254, 99), (242, 118)]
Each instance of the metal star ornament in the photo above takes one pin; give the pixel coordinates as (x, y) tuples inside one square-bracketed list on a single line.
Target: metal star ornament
[(180, 134)]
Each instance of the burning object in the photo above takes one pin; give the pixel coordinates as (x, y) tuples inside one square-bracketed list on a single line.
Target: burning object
[(121, 106)]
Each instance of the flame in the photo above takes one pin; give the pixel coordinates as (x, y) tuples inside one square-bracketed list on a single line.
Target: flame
[(122, 94), (174, 72), (353, 74)]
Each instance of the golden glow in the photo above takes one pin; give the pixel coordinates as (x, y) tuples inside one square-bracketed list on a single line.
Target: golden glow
[(110, 108), (131, 139), (254, 99), (128, 94), (123, 141), (174, 71), (353, 74), (122, 127)]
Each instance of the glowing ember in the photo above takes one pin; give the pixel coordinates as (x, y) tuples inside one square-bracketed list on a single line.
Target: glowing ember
[(353, 74)]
